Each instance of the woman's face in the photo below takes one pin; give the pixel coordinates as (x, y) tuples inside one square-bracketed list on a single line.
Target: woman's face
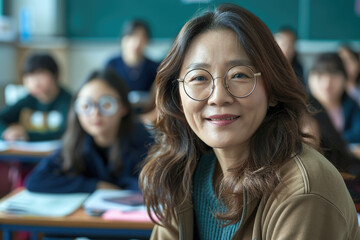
[(100, 123), (222, 121), (327, 87)]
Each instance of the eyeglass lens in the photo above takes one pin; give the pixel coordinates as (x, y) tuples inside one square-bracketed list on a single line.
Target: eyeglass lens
[(107, 106), (239, 81)]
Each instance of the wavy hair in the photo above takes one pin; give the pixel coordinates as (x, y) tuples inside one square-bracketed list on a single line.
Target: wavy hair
[(166, 177), (75, 135)]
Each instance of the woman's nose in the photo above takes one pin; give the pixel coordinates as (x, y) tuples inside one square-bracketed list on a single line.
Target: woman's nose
[(220, 94)]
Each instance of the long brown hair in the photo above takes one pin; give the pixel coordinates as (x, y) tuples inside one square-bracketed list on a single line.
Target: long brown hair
[(166, 178), (75, 135)]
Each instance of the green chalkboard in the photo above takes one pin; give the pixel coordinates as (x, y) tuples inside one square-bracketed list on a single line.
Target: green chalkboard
[(313, 19), (104, 19)]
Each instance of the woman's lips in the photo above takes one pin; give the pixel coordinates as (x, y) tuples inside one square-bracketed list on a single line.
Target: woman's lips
[(222, 120)]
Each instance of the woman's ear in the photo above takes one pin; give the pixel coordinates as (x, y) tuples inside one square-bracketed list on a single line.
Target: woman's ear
[(272, 102)]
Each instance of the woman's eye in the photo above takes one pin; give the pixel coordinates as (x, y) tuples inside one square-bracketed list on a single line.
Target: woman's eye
[(240, 75), (199, 78)]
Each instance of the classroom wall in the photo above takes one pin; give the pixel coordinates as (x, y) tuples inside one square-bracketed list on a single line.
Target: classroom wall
[(87, 33), (8, 62)]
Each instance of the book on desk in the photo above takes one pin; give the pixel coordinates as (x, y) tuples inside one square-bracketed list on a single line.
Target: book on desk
[(30, 147), (123, 205)]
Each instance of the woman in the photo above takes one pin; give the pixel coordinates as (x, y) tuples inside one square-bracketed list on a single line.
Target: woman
[(102, 145), (229, 160)]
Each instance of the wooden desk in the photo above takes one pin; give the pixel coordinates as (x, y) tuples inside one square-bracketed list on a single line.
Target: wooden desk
[(76, 224), (30, 152), (22, 156)]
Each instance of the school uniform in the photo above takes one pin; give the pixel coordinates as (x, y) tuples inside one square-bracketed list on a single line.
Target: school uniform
[(48, 176), (41, 121), (351, 111), (137, 78)]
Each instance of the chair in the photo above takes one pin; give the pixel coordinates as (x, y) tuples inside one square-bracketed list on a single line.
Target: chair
[(13, 93)]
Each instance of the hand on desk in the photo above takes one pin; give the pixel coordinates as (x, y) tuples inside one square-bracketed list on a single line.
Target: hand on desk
[(106, 185), (15, 132)]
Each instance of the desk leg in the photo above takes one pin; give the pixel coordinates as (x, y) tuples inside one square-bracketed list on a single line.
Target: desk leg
[(33, 236), (6, 234)]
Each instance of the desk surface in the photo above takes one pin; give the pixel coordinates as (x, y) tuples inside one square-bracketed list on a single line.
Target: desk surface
[(78, 219), (76, 223)]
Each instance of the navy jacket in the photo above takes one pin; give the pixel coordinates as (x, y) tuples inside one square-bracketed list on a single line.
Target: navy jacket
[(351, 112), (48, 177), (137, 78)]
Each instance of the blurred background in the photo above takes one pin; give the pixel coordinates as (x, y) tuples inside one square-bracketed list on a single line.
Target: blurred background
[(83, 34)]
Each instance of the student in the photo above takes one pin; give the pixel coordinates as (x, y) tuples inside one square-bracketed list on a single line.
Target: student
[(327, 83), (102, 146), (230, 161), (137, 70), (132, 65), (42, 114), (286, 38), (352, 66)]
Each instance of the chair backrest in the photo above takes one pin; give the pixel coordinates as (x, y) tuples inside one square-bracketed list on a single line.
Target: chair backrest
[(13, 93)]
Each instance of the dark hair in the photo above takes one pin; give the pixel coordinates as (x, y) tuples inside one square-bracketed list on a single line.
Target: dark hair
[(355, 56), (329, 63), (166, 177), (39, 62), (133, 25), (74, 136)]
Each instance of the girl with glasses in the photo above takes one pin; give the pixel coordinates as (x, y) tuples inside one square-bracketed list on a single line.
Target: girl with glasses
[(102, 146), (230, 160)]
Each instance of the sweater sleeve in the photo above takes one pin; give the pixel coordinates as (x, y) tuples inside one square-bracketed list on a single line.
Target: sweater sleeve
[(10, 114), (310, 217), (48, 177)]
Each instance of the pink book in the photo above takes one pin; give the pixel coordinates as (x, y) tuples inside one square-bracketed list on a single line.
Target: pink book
[(132, 216)]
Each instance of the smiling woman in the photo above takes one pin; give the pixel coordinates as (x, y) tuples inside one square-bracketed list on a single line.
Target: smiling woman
[(230, 160)]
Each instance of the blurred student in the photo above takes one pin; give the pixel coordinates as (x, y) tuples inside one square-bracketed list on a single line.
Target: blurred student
[(352, 66), (102, 146), (286, 39), (327, 83), (132, 65), (42, 114), (137, 70)]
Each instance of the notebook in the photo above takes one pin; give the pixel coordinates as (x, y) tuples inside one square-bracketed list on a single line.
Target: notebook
[(103, 200), (42, 204)]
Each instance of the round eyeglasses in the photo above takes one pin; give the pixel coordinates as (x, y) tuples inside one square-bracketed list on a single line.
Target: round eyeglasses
[(106, 105), (239, 81)]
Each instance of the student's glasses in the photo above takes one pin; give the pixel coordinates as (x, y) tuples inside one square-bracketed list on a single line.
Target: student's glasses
[(106, 105), (239, 81)]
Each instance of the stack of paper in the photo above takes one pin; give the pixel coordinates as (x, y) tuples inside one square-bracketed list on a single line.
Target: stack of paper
[(42, 204), (106, 199), (41, 146)]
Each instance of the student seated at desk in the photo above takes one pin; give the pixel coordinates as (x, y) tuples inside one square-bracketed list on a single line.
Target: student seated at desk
[(41, 115), (102, 145), (327, 83)]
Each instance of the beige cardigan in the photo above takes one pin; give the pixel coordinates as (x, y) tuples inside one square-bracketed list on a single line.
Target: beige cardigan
[(311, 202)]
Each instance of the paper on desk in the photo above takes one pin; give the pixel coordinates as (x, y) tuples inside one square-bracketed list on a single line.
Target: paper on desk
[(134, 216), (41, 146), (96, 201), (42, 204)]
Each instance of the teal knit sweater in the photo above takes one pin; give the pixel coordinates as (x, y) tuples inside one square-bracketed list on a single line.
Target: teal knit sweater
[(206, 203)]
